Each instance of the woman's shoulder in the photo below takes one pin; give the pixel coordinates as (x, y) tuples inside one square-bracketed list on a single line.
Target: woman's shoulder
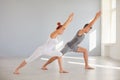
[(53, 35)]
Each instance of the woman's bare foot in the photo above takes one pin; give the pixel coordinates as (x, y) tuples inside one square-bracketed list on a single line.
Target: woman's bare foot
[(88, 67), (44, 68), (63, 71), (16, 72)]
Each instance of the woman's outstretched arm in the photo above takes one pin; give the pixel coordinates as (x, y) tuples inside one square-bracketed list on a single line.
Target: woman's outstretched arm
[(67, 22)]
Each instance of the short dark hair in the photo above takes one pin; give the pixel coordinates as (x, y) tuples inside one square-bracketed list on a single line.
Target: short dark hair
[(87, 25)]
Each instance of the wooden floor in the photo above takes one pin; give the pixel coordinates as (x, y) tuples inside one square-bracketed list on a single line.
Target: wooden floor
[(105, 69)]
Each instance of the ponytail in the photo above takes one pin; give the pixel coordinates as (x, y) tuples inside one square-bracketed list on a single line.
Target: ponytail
[(59, 26)]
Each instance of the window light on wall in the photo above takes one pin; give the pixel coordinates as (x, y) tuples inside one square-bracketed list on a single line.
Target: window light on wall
[(113, 22)]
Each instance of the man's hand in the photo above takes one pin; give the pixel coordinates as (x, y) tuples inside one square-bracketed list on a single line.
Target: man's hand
[(98, 14)]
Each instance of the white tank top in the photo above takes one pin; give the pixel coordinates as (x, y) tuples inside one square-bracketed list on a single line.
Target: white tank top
[(51, 44)]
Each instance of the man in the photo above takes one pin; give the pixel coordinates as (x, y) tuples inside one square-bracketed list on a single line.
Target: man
[(73, 44)]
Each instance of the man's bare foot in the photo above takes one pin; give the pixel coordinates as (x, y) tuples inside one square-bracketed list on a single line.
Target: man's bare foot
[(16, 72), (88, 67), (63, 71), (44, 68)]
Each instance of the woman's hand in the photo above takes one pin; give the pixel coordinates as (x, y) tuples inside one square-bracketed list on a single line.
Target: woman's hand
[(71, 16)]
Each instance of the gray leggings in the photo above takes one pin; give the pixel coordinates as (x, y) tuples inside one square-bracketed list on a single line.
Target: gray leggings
[(68, 49)]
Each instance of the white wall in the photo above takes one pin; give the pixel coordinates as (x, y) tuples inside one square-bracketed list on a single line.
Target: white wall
[(115, 49), (26, 24), (105, 29), (111, 50)]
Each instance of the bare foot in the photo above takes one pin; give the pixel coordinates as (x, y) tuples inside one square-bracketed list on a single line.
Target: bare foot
[(88, 67), (44, 68), (16, 72), (63, 71)]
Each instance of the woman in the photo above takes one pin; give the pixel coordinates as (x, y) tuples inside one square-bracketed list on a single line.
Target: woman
[(73, 45), (48, 48)]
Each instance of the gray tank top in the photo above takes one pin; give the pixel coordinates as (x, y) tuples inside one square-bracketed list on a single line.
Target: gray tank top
[(76, 40)]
